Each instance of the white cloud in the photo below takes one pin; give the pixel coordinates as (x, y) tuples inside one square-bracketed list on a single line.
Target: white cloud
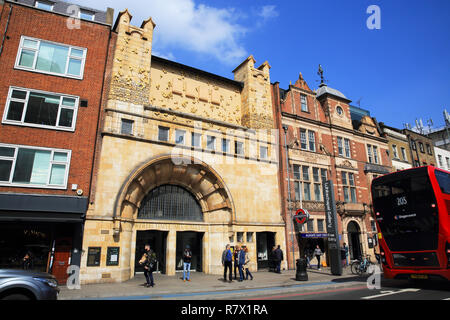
[(268, 12), (184, 24)]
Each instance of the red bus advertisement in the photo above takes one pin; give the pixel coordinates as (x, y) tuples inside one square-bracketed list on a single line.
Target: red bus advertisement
[(412, 211)]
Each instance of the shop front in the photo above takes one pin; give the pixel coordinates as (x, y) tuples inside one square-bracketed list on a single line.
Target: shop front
[(41, 233)]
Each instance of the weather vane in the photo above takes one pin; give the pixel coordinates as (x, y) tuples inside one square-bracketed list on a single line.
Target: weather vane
[(320, 73)]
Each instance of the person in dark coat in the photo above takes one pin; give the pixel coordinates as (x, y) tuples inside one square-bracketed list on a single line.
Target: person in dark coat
[(148, 260), (236, 260), (278, 259), (227, 261), (187, 258), (241, 263)]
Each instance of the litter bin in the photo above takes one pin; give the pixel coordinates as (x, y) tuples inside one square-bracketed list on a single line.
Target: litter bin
[(301, 274)]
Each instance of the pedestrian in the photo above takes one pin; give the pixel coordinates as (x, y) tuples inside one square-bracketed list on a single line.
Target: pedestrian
[(308, 254), (278, 259), (148, 260), (27, 261), (346, 253), (318, 253), (236, 260), (187, 258), (241, 263), (227, 261), (247, 265)]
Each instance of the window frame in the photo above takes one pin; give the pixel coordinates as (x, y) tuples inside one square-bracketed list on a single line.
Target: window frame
[(211, 143), (303, 102), (36, 52), (161, 129), (88, 12), (193, 136), (22, 122), (241, 144), (183, 134), (265, 154), (226, 144), (129, 121), (312, 140), (52, 162), (51, 4)]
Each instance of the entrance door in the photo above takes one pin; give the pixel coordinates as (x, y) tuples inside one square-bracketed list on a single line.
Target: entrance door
[(265, 241), (354, 243), (61, 259), (194, 240), (158, 242)]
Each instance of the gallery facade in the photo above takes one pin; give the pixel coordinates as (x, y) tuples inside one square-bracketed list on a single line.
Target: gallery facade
[(184, 157)]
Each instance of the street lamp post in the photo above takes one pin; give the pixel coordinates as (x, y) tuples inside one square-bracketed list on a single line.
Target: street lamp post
[(285, 128)]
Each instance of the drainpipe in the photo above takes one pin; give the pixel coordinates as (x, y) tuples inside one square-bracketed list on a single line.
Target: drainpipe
[(285, 128), (6, 29)]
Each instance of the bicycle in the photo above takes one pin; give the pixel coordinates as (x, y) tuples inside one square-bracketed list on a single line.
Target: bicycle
[(361, 266)]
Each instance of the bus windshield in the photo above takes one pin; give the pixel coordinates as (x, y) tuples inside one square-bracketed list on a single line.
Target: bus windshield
[(406, 211)]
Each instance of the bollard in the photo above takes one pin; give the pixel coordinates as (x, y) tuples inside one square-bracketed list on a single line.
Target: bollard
[(301, 274)]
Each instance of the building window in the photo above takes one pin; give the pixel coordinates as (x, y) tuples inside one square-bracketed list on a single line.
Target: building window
[(448, 163), (240, 237), (421, 148), (348, 186), (307, 140), (163, 134), (304, 102), (239, 148), (373, 225), (316, 178), (225, 145), (344, 147), (310, 225), (263, 152), (312, 141), (249, 236), (323, 174), (40, 109), (404, 157), (180, 137), (347, 147), (87, 15), (52, 58), (25, 166), (211, 143), (196, 137), (413, 145), (430, 152), (372, 153), (394, 151), (339, 110), (320, 225), (303, 141), (46, 5), (126, 126), (441, 165)]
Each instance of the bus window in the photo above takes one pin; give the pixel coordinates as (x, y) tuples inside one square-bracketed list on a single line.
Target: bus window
[(443, 180)]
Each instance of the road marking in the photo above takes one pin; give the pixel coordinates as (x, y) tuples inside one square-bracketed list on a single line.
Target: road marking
[(388, 293), (307, 293)]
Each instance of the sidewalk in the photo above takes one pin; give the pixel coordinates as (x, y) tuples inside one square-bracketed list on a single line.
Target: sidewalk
[(167, 287)]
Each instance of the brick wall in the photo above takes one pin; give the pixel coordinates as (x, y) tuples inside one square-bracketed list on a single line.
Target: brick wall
[(52, 27)]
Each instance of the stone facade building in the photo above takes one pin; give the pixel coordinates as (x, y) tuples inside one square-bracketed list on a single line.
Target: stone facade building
[(324, 141), (421, 148), (184, 157), (52, 68), (399, 148)]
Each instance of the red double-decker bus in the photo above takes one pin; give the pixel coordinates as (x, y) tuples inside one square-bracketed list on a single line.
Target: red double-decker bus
[(412, 211)]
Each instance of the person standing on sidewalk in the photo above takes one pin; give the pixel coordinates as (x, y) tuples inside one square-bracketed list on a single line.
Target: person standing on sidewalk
[(236, 260), (318, 253), (187, 258), (227, 261), (278, 259), (241, 263), (148, 260), (247, 265)]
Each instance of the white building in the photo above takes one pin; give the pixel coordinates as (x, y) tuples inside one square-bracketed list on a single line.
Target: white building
[(442, 158)]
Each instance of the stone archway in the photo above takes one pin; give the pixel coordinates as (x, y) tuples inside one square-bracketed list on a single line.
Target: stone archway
[(194, 175)]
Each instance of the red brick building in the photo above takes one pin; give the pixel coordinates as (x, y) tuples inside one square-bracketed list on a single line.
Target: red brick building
[(327, 138), (52, 61)]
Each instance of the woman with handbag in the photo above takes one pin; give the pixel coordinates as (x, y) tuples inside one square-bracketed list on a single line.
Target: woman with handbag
[(318, 253), (247, 265)]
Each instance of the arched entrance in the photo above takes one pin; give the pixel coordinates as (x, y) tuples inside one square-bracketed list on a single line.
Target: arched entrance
[(173, 203), (170, 202), (354, 241)]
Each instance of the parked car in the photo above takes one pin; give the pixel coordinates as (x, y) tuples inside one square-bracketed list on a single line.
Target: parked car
[(27, 285)]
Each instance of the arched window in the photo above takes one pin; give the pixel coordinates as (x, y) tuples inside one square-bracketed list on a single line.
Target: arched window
[(170, 202)]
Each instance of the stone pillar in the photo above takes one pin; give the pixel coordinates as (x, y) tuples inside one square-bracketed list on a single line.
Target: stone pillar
[(171, 252)]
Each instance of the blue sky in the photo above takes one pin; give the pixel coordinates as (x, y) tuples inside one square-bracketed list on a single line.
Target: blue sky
[(399, 72)]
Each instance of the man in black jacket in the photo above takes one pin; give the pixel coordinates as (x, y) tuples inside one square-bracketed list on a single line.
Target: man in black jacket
[(278, 258)]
